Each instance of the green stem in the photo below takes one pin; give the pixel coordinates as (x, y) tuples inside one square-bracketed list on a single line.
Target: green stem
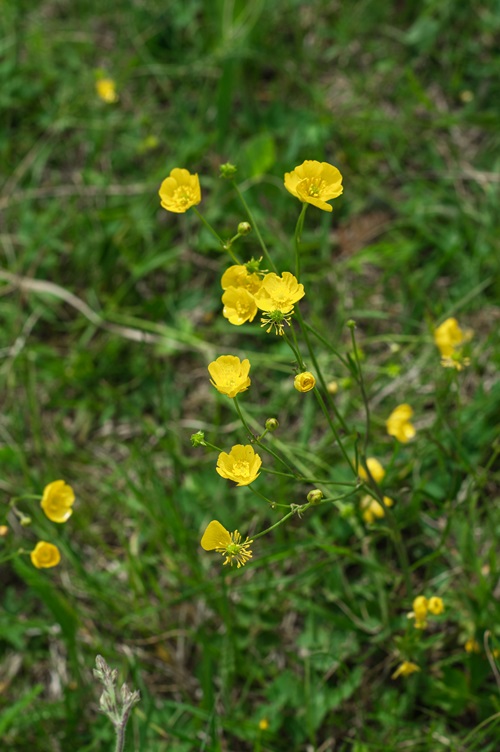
[(257, 441), (271, 503), (255, 227), (225, 246), (303, 327), (298, 235), (324, 342)]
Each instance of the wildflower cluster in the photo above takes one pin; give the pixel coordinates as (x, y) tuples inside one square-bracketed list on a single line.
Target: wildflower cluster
[(56, 502), (249, 289)]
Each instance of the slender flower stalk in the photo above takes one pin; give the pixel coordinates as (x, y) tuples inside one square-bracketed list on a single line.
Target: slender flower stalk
[(268, 258)]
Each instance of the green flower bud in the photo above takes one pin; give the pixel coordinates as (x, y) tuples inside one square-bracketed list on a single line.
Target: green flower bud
[(271, 424), (198, 439), (244, 228), (227, 171), (314, 496)]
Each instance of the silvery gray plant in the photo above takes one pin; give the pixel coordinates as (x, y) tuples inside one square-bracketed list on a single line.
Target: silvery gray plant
[(114, 703)]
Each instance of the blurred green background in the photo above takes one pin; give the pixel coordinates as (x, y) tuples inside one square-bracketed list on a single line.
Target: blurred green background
[(111, 311)]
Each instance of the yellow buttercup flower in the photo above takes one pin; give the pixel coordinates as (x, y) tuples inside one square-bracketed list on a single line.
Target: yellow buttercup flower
[(238, 276), (106, 90), (372, 509), (315, 183), (45, 555), (57, 500), (239, 305), (376, 470), (304, 381), (435, 605), (277, 297), (419, 613), (398, 423), (263, 724), (230, 374), (241, 464), (405, 669), (449, 339), (180, 191), (217, 538), (472, 646)]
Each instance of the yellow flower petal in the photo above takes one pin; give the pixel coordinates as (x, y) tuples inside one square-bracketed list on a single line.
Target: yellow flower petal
[(239, 305), (215, 536), (398, 423), (376, 469)]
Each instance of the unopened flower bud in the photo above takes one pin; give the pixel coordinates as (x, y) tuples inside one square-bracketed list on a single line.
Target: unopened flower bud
[(3, 531), (25, 521), (351, 324), (332, 387), (304, 382), (227, 171), (314, 496), (244, 228), (271, 424), (198, 439)]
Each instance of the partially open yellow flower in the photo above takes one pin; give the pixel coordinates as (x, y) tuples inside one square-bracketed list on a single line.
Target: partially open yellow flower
[(241, 464), (398, 423), (376, 470), (106, 90), (405, 669), (57, 500), (230, 374), (45, 555), (180, 191), (449, 339), (304, 381), (435, 605), (217, 538), (238, 276), (372, 509), (239, 305), (314, 183)]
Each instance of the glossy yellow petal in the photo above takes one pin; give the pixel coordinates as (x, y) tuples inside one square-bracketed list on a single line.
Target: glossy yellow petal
[(215, 536)]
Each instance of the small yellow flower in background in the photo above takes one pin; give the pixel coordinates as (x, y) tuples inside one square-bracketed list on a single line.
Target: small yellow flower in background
[(4, 530), (304, 381), (217, 538), (45, 555), (263, 724), (376, 470), (57, 500), (435, 605), (314, 183), (372, 509), (398, 423), (420, 608), (180, 191), (405, 669), (106, 90), (449, 339), (332, 387), (241, 464), (239, 305), (230, 374), (472, 646), (238, 276)]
